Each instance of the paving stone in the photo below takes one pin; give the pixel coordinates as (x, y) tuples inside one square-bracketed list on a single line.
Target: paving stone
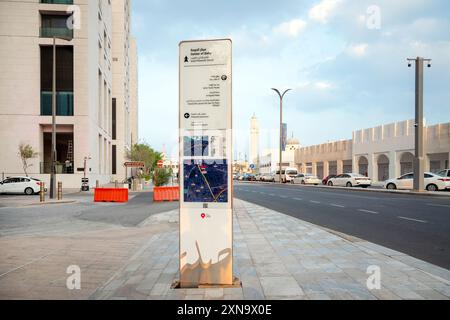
[(214, 293), (280, 286)]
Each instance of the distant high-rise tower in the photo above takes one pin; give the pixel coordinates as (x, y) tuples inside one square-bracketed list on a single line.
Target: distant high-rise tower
[(254, 141)]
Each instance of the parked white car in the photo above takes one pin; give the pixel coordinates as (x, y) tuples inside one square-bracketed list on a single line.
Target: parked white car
[(20, 185), (433, 182), (445, 174), (267, 178), (306, 179), (350, 180)]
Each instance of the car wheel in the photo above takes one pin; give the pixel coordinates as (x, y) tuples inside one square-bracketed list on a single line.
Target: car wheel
[(330, 184), (303, 182), (391, 186), (349, 185), (29, 191), (432, 188)]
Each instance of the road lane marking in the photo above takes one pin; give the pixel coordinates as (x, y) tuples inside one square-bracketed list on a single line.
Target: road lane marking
[(284, 197), (25, 265), (298, 199), (438, 205), (414, 220), (272, 195), (337, 205), (368, 211), (316, 202)]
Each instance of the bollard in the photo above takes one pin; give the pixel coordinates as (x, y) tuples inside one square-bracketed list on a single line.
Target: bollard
[(97, 184), (60, 195), (42, 192), (116, 184)]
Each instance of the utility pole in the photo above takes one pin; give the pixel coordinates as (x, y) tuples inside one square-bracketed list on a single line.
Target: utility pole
[(53, 149), (281, 128), (419, 159)]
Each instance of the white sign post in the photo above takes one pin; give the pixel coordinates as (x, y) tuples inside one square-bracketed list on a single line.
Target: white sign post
[(206, 197)]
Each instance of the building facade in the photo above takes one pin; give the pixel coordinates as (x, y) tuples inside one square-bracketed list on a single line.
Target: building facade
[(381, 153), (125, 103), (84, 88), (270, 160)]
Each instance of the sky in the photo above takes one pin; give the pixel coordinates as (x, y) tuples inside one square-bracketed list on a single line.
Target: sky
[(345, 61)]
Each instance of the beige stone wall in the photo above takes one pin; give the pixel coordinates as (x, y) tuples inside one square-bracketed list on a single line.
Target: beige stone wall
[(134, 92), (382, 152), (121, 81)]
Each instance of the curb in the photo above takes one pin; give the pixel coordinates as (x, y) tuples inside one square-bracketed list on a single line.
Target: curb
[(50, 203)]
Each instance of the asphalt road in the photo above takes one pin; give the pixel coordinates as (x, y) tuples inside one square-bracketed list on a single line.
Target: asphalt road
[(416, 225), (72, 218)]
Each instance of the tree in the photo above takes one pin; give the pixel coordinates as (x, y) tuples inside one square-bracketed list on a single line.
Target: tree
[(161, 176), (143, 152), (26, 152)]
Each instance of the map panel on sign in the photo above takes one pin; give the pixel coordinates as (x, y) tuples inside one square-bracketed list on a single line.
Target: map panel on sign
[(205, 181)]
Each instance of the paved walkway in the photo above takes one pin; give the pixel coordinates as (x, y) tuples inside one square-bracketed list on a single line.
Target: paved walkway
[(278, 257)]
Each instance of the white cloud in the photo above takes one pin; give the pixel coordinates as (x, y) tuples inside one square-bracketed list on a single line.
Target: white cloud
[(323, 85), (291, 28), (358, 50), (322, 11)]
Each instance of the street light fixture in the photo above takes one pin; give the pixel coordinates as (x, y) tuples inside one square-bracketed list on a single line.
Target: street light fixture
[(281, 95), (53, 151), (419, 166)]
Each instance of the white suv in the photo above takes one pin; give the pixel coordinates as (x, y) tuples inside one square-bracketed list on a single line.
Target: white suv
[(20, 185)]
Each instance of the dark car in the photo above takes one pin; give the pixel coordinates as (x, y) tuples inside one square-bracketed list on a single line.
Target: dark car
[(249, 177), (325, 180)]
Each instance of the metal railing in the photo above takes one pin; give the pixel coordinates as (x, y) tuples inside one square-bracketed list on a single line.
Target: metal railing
[(61, 168), (50, 32)]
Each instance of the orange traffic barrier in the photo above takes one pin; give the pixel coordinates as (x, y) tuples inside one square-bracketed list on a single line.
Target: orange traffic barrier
[(166, 194), (110, 195)]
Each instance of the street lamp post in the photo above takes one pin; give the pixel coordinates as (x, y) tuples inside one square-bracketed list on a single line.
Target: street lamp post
[(53, 149), (419, 165), (281, 95)]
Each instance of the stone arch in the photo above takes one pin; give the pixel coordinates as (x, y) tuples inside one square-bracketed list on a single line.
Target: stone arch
[(383, 167), (406, 163), (363, 164)]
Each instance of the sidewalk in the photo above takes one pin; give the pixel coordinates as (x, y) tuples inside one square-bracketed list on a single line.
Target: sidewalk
[(278, 257)]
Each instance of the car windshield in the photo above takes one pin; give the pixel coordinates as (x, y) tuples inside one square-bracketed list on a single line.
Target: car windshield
[(358, 176), (311, 177), (291, 172), (442, 173)]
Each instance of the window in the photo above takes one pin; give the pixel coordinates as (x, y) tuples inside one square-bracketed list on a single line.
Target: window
[(64, 80), (408, 176), (428, 176), (55, 26), (114, 159), (114, 116)]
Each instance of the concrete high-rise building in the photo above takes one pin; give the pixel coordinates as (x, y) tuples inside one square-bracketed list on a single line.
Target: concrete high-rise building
[(86, 120), (254, 141), (125, 85), (134, 92)]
